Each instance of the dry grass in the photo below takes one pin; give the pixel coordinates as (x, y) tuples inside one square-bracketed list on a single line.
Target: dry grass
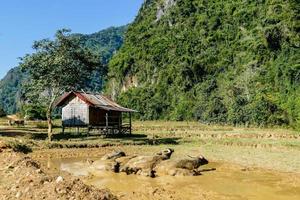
[(270, 148)]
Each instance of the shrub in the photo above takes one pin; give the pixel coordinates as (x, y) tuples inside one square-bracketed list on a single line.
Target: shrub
[(2, 112), (34, 111)]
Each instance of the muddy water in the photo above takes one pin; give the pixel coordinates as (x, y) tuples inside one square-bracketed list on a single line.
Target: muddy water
[(227, 182)]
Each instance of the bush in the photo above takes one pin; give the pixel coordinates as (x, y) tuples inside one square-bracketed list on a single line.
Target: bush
[(2, 112), (34, 111)]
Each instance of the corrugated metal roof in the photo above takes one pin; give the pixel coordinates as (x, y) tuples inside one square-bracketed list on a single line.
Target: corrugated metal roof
[(95, 100)]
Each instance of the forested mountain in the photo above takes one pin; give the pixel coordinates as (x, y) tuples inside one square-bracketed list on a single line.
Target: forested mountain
[(105, 43), (233, 62), (10, 87)]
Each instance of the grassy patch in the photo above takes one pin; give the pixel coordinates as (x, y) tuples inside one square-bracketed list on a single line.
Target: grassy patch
[(18, 146)]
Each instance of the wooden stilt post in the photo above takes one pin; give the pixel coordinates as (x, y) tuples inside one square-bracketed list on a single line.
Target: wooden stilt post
[(120, 123), (63, 129), (106, 119), (130, 123)]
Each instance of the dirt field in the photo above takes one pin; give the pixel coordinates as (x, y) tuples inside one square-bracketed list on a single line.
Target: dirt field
[(23, 178), (244, 158)]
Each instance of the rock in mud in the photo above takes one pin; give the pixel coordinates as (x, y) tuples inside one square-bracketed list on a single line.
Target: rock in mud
[(18, 195), (59, 179)]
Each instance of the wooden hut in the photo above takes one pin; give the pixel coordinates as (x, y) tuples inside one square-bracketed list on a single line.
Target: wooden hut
[(95, 111)]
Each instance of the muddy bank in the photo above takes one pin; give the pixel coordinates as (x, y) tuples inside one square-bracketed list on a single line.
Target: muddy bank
[(23, 178)]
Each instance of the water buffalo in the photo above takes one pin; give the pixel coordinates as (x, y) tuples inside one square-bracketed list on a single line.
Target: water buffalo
[(108, 162), (184, 167), (144, 165), (113, 155), (158, 164)]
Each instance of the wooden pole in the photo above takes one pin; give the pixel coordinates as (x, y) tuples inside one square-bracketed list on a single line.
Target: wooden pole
[(120, 123), (106, 119), (88, 131), (130, 123)]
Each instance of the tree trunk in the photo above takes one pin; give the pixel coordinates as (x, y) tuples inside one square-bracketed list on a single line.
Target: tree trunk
[(50, 125), (49, 118)]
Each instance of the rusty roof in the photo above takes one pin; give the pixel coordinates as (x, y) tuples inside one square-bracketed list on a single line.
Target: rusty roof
[(94, 100)]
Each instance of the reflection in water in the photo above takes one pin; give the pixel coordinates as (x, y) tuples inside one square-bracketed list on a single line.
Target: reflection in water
[(228, 182)]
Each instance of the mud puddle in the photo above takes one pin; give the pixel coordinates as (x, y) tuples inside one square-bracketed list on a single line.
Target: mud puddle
[(227, 182)]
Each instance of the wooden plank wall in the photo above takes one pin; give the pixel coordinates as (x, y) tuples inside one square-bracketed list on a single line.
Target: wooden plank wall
[(98, 117), (75, 113)]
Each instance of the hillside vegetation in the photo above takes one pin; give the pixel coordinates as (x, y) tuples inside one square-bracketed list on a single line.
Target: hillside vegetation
[(104, 42), (10, 90), (233, 62)]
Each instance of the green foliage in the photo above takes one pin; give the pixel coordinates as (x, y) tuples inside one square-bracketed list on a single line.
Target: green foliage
[(2, 112), (103, 43), (34, 111), (233, 62), (57, 66), (10, 90)]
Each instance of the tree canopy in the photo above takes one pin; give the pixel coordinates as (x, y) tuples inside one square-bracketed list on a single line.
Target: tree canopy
[(55, 67)]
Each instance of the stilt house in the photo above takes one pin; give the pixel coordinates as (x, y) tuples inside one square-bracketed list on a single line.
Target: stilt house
[(95, 111)]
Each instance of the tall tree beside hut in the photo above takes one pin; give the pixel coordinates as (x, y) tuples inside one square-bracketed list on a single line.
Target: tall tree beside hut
[(57, 66)]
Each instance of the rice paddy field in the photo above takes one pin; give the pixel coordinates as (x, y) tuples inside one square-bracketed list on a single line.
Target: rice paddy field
[(272, 148), (245, 158)]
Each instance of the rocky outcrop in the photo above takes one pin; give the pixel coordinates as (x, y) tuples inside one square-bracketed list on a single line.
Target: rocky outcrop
[(162, 10)]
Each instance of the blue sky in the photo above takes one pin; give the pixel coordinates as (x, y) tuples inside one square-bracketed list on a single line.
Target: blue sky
[(23, 21)]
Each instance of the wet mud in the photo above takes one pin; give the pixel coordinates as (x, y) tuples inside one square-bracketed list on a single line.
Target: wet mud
[(226, 182)]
